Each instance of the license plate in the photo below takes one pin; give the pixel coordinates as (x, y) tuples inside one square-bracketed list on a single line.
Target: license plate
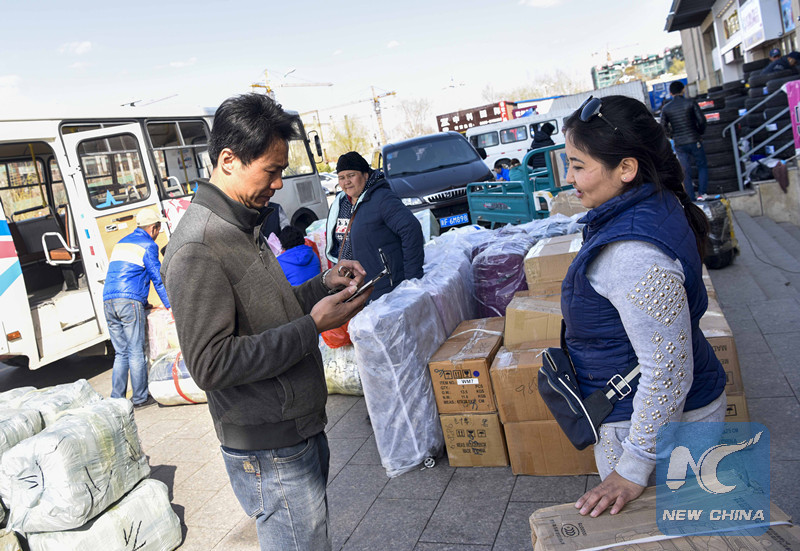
[(448, 221)]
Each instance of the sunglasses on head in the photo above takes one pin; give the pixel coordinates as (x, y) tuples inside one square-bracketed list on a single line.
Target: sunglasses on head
[(590, 109)]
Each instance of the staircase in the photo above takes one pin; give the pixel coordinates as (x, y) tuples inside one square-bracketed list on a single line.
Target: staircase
[(760, 296)]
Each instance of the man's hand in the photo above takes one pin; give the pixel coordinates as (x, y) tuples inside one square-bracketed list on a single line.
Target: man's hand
[(346, 273), (332, 312), (614, 490)]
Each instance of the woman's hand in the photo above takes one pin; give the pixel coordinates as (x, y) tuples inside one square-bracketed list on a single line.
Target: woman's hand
[(345, 273), (614, 490)]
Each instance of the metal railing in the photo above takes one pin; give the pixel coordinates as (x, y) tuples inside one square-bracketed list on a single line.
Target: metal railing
[(740, 177)]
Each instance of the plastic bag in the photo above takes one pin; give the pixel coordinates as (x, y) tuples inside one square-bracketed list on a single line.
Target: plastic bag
[(16, 425), (51, 401), (143, 520), (316, 232), (8, 540), (394, 337), (170, 383), (448, 280), (161, 333), (341, 370), (15, 393), (338, 337), (74, 469), (498, 273), (721, 245)]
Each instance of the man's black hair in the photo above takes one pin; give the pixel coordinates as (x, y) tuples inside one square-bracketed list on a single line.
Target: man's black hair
[(676, 87), (249, 125), (291, 237)]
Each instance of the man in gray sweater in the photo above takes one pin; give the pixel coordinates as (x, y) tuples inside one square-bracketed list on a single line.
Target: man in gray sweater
[(250, 339)]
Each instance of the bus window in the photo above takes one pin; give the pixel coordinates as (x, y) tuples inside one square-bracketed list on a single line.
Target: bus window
[(22, 190), (180, 150), (299, 161), (59, 193), (488, 139), (511, 135), (537, 125), (112, 170)]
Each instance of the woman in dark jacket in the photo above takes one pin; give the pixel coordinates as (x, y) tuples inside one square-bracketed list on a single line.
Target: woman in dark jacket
[(366, 216), (634, 294), (541, 138)]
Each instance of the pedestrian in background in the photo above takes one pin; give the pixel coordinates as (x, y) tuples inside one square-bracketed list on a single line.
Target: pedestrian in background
[(789, 61), (685, 123), (134, 264), (298, 260), (542, 137), (366, 216), (249, 339)]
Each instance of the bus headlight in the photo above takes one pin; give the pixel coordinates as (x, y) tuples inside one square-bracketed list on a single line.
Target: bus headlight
[(411, 201)]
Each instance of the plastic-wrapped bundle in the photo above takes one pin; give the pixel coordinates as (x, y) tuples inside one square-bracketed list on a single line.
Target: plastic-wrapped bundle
[(394, 338), (70, 472), (161, 333), (170, 383), (553, 226), (341, 369), (721, 246), (8, 540), (448, 280), (142, 520), (498, 274), (465, 239), (316, 232), (16, 425), (51, 401), (13, 394)]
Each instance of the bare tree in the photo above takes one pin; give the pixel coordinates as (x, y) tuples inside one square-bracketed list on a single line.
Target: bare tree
[(349, 135), (489, 94), (545, 85), (416, 113)]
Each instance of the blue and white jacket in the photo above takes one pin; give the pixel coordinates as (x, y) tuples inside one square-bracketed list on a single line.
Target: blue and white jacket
[(133, 265)]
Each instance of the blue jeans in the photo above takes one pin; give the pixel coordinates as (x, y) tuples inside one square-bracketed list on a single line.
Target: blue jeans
[(284, 490), (126, 323), (686, 153)]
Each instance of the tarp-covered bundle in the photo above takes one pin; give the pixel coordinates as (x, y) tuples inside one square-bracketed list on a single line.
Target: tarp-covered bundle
[(51, 401), (161, 333), (143, 520), (170, 383), (448, 280), (341, 369), (70, 472), (498, 273), (394, 338), (16, 425)]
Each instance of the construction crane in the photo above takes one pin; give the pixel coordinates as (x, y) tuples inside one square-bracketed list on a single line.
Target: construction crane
[(376, 105), (271, 93), (608, 50)]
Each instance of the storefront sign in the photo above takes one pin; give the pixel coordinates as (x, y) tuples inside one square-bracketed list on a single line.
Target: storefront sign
[(752, 24), (787, 15), (793, 92)]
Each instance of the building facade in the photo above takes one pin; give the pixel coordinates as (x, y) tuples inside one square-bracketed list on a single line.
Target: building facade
[(639, 67)]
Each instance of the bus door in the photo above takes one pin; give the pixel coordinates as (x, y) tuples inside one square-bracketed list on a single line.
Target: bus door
[(111, 182)]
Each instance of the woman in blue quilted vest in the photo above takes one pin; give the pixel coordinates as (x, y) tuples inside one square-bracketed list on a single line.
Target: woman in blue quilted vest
[(635, 294)]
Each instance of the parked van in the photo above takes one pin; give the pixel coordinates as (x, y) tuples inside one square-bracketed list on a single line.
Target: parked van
[(432, 172), (70, 189), (508, 140)]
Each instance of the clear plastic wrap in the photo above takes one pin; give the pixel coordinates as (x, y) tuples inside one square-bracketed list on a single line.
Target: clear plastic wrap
[(143, 520), (51, 401), (720, 226), (170, 383), (8, 540), (16, 425), (553, 226), (465, 239), (161, 333), (316, 232), (14, 394), (341, 369), (448, 280), (498, 273), (70, 472), (394, 337)]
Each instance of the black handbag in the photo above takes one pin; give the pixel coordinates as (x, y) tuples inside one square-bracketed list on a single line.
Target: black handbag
[(578, 417)]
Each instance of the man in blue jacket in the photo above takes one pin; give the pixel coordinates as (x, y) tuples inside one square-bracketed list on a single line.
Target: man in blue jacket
[(133, 265)]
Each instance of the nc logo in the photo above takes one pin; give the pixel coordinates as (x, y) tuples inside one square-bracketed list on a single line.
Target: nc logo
[(706, 467)]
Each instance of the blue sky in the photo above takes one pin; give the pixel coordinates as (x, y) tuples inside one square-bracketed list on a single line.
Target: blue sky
[(89, 54)]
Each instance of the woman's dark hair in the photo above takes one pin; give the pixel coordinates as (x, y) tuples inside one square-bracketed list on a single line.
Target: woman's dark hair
[(249, 125), (639, 136), (291, 237)]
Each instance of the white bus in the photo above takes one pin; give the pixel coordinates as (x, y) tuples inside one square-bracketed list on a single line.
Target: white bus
[(508, 140), (70, 188)]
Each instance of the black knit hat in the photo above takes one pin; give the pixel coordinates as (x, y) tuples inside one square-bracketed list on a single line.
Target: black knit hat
[(352, 161)]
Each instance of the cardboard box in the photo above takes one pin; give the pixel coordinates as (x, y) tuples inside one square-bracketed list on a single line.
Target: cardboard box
[(532, 321), (540, 448), (709, 285), (720, 337), (516, 391), (474, 440), (563, 528), (460, 368), (737, 411), (547, 262), (567, 203)]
